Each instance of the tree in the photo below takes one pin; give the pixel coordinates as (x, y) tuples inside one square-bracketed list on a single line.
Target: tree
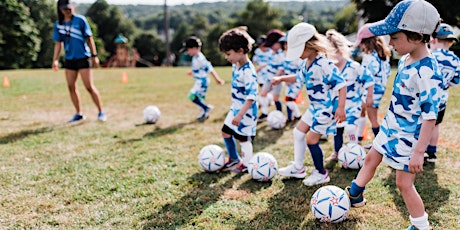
[(346, 20), (110, 22), (259, 17), (149, 45), (19, 36), (375, 10)]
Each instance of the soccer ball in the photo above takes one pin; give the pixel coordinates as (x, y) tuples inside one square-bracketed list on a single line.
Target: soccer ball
[(211, 158), (276, 119), (262, 166), (330, 204), (151, 114), (351, 156)]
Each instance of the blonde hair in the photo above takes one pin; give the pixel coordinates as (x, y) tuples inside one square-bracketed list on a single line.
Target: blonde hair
[(320, 44), (339, 42), (378, 44)]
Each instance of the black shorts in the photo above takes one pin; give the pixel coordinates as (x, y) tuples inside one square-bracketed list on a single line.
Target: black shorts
[(83, 63), (237, 136), (440, 116)]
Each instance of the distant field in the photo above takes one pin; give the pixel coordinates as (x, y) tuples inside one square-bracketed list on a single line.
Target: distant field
[(125, 175)]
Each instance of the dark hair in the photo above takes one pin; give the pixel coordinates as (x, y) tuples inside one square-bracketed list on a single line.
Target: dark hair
[(60, 15), (235, 39), (377, 43), (414, 36)]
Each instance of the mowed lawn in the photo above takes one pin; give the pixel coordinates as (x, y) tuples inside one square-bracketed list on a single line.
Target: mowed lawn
[(123, 174)]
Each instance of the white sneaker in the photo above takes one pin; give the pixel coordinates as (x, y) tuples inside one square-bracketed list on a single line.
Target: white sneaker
[(292, 171), (317, 178)]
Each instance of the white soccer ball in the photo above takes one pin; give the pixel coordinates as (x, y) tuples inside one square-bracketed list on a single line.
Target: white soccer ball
[(351, 156), (211, 158), (151, 114), (330, 204), (276, 119), (262, 166)]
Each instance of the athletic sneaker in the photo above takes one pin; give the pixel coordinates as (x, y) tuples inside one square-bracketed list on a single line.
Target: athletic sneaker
[(292, 171), (316, 178), (101, 116), (367, 147), (333, 157), (205, 114), (240, 168), (262, 117), (77, 117), (431, 157), (412, 227), (357, 201), (230, 164)]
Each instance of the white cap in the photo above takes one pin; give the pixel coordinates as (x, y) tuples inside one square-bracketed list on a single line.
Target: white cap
[(296, 39), (412, 15)]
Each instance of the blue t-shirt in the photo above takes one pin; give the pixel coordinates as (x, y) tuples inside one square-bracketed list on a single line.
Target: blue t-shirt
[(244, 87), (416, 96), (73, 34), (449, 65)]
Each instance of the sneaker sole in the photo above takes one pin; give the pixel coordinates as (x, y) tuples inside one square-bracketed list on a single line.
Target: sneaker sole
[(299, 176), (359, 205), (317, 183)]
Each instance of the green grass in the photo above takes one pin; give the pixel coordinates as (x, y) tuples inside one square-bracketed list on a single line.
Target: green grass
[(125, 175)]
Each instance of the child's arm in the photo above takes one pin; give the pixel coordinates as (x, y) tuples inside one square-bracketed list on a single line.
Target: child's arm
[(216, 77), (286, 78), (340, 112), (237, 119), (370, 98), (416, 160), (260, 67)]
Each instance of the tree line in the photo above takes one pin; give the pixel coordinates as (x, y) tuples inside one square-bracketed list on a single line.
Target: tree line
[(27, 25)]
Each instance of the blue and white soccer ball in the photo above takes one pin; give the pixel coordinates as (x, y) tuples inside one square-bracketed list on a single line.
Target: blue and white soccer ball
[(351, 156), (151, 114), (276, 119), (211, 158), (330, 204), (262, 166)]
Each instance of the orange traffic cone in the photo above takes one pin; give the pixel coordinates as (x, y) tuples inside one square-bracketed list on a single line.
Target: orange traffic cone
[(300, 99), (124, 77), (365, 133), (6, 82)]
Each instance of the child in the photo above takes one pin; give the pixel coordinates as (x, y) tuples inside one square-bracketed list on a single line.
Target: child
[(260, 59), (411, 117), (275, 63), (292, 89), (357, 80), (449, 65), (241, 120), (323, 85), (201, 67), (376, 60)]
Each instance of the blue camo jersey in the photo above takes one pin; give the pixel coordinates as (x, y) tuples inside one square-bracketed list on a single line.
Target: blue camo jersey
[(449, 66), (75, 46), (201, 68), (262, 58), (416, 96), (322, 82), (275, 63), (291, 67), (379, 70), (244, 87), (358, 80)]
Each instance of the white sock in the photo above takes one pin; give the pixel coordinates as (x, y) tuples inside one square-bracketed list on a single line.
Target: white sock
[(300, 146), (420, 222), (246, 152), (264, 104), (361, 124), (294, 108), (352, 133)]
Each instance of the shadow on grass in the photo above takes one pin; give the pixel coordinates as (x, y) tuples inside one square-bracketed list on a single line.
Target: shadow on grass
[(266, 136), (433, 195), (198, 198), (16, 136)]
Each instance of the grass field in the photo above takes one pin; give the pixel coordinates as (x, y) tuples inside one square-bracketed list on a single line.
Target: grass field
[(122, 174)]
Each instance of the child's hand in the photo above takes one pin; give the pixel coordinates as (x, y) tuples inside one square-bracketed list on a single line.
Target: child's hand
[(220, 81), (275, 81), (416, 163), (237, 119), (369, 101), (189, 73), (340, 115)]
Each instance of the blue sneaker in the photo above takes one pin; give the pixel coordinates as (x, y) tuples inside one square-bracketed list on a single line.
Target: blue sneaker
[(77, 117), (101, 116), (357, 201)]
